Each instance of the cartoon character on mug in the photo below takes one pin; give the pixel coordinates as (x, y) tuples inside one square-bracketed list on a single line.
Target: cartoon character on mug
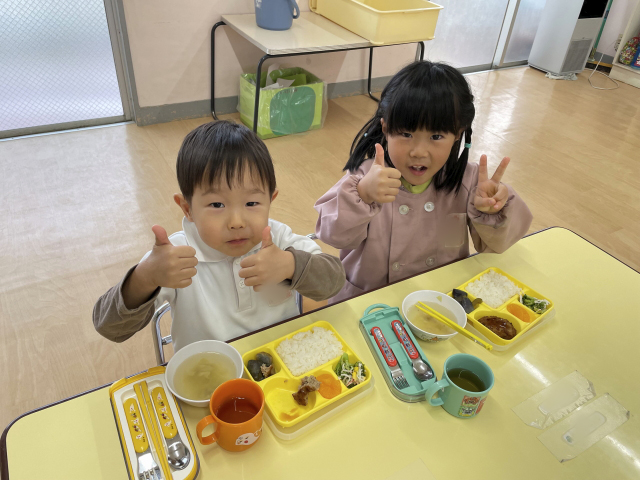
[(248, 438), (466, 411), (469, 406)]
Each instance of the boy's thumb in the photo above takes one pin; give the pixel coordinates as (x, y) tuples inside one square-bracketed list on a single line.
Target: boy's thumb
[(266, 238), (379, 160), (161, 235)]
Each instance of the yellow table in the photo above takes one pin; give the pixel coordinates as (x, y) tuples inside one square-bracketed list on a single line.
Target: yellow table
[(596, 331)]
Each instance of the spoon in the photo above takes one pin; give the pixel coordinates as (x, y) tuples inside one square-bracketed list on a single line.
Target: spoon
[(177, 454), (421, 370)]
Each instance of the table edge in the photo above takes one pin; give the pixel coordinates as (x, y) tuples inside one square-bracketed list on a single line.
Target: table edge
[(4, 463)]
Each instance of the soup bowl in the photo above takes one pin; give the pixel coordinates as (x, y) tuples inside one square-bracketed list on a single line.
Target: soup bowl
[(441, 303), (192, 349)]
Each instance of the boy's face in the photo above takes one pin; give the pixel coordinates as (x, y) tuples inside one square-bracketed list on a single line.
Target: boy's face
[(230, 220), (419, 155)]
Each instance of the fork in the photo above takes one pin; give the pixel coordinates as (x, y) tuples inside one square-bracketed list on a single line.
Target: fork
[(147, 467), (396, 373)]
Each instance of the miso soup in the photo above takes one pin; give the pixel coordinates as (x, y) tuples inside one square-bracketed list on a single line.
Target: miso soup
[(426, 322), (198, 376)]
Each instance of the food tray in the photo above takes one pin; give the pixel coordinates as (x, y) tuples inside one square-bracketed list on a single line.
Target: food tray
[(382, 319), (123, 390), (315, 420), (523, 328), (382, 22), (278, 388)]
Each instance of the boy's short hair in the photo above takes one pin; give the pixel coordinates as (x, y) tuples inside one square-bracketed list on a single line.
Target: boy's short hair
[(222, 149)]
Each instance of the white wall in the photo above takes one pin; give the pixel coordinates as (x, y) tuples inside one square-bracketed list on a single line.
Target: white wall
[(170, 49), (616, 23)]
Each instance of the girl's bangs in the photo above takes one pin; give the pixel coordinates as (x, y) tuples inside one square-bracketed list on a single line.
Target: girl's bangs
[(419, 108)]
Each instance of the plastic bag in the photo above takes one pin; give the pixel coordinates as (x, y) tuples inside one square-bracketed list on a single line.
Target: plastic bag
[(297, 108), (556, 401)]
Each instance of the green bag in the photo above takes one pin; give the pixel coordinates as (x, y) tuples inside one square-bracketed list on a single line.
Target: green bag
[(283, 111)]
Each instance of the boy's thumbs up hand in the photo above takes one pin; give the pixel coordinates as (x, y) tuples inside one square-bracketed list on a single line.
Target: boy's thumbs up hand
[(270, 265), (267, 241), (161, 235), (381, 184), (168, 265)]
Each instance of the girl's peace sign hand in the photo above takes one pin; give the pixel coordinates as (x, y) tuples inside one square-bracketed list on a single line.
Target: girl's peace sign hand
[(491, 195)]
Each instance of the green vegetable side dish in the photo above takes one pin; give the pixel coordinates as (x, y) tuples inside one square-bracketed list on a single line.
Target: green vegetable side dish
[(532, 303), (351, 374)]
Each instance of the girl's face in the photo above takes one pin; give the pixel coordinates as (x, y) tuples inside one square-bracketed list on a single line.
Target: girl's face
[(419, 155)]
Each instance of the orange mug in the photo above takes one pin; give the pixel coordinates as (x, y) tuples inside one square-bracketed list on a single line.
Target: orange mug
[(235, 401)]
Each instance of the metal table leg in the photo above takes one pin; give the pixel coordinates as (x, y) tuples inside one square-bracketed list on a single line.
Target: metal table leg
[(369, 77), (213, 69), (258, 82), (419, 54)]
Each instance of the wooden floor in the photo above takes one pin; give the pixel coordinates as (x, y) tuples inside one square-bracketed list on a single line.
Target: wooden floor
[(78, 209)]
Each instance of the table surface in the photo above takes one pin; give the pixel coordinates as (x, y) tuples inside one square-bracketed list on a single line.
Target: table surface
[(309, 33), (594, 332)]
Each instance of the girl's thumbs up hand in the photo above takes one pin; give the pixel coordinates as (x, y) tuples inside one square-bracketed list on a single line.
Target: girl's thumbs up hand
[(491, 195), (381, 184), (270, 265)]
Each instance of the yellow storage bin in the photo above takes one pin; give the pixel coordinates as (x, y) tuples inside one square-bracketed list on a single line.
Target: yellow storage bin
[(382, 21)]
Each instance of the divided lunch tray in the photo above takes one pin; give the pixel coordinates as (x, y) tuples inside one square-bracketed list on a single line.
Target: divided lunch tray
[(523, 328), (321, 416), (382, 319), (121, 393), (282, 409)]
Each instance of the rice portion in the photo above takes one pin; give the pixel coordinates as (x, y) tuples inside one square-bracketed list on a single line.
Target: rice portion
[(308, 350), (494, 289)]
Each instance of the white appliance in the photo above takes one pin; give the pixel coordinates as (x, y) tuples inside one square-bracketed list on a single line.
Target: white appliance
[(566, 34)]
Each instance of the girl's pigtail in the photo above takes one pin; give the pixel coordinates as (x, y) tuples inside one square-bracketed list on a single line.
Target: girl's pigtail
[(364, 145), (450, 176), (461, 164)]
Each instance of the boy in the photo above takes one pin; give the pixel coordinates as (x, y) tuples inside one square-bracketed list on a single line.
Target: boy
[(232, 269)]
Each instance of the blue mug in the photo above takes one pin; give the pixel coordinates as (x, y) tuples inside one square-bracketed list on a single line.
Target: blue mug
[(276, 14), (462, 402)]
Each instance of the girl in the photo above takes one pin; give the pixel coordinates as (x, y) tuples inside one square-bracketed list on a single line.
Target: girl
[(409, 195)]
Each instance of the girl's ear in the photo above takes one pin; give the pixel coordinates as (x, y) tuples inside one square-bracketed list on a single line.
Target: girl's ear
[(184, 205), (275, 194), (384, 127)]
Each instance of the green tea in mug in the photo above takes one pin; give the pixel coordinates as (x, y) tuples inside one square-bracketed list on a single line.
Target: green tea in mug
[(466, 379)]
